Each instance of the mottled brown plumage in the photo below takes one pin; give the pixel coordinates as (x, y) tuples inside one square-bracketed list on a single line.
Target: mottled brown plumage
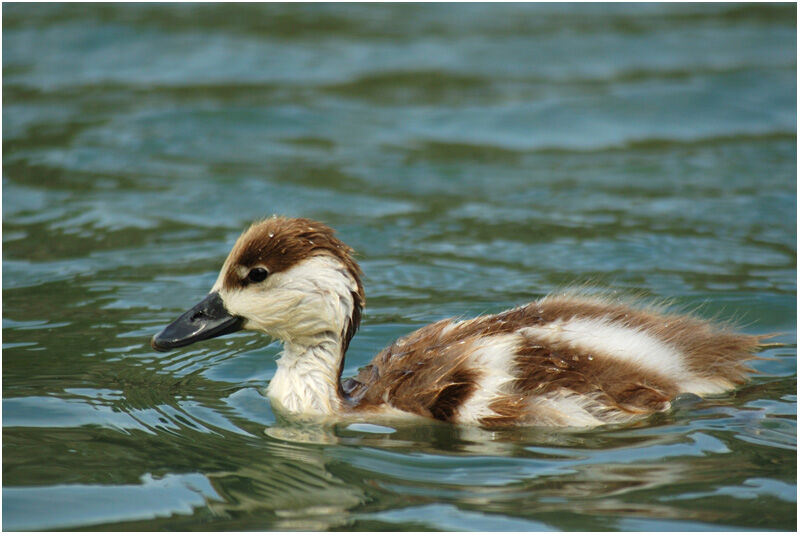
[(429, 366)]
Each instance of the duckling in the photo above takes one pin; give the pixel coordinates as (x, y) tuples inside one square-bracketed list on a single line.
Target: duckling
[(564, 360)]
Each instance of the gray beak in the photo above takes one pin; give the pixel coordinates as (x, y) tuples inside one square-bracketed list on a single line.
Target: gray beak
[(207, 319)]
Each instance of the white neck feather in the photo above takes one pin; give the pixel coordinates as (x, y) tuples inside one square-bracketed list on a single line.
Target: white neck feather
[(307, 379)]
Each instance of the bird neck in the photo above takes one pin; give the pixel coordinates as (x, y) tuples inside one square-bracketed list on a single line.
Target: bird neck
[(307, 379)]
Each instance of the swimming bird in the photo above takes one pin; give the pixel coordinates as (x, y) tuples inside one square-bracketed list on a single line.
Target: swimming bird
[(564, 360)]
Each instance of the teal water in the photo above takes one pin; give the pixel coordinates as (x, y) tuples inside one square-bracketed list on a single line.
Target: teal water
[(477, 157)]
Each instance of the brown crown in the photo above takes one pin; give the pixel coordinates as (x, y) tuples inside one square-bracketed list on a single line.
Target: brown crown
[(278, 243)]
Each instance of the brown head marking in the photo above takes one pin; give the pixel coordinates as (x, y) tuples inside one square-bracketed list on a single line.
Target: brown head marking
[(278, 243)]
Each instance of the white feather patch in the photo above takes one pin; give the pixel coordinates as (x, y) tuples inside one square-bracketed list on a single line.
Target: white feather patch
[(626, 344), (493, 359)]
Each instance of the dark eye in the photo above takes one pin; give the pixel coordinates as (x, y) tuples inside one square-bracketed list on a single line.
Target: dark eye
[(257, 274)]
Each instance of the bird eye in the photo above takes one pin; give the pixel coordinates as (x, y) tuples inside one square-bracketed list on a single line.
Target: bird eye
[(257, 274)]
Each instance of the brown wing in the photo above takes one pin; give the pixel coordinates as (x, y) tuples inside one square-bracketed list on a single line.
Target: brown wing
[(423, 373)]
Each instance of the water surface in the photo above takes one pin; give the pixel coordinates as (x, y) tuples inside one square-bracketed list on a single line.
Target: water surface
[(477, 157)]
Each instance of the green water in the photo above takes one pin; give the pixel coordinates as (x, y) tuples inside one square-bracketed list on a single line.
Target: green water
[(477, 157)]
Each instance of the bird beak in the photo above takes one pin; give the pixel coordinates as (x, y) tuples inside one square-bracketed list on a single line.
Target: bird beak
[(207, 319)]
